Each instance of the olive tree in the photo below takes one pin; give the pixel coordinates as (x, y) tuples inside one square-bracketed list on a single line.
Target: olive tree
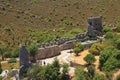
[(89, 58), (96, 48), (78, 48)]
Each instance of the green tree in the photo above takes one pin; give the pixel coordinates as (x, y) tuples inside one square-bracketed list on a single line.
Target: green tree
[(56, 64), (15, 53), (65, 75), (109, 59), (99, 77), (78, 48), (5, 52), (80, 74), (109, 35), (48, 72), (104, 56), (106, 29), (96, 48), (91, 71), (36, 72), (32, 49), (117, 42), (76, 51), (89, 58), (110, 65)]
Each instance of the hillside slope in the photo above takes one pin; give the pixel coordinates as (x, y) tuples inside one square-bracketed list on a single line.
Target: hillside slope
[(22, 20)]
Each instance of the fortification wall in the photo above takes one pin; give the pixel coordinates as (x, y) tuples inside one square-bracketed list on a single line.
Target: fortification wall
[(51, 49), (48, 52), (67, 45)]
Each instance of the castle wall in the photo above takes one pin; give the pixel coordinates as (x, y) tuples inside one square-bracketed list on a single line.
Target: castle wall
[(48, 52), (67, 45)]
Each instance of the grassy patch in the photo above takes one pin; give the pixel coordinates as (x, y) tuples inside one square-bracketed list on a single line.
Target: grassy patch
[(10, 66)]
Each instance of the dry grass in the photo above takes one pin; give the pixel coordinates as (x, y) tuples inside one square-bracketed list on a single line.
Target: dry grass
[(80, 59), (50, 14), (10, 66)]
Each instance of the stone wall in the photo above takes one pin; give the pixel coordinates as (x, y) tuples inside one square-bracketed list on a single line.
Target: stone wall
[(67, 45), (51, 49), (48, 52)]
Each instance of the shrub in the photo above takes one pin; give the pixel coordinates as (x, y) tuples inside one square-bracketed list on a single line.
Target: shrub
[(99, 77), (117, 42), (91, 70), (76, 51), (12, 60), (89, 58), (118, 27), (15, 53), (7, 54), (109, 35), (106, 29), (80, 74), (32, 49), (78, 48), (95, 49)]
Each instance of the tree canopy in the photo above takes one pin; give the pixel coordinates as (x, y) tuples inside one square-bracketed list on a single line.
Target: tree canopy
[(96, 48), (32, 49), (78, 48), (48, 72), (89, 58)]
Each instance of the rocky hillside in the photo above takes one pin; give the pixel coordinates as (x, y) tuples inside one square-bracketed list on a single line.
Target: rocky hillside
[(26, 21)]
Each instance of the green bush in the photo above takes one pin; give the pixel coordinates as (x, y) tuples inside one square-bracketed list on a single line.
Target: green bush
[(32, 49), (91, 70), (117, 42), (15, 53), (109, 35), (12, 60), (80, 74), (89, 58), (109, 59), (118, 27), (106, 29), (78, 48), (99, 77), (7, 54), (95, 49)]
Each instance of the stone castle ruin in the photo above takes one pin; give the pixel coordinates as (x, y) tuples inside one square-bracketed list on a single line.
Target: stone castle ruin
[(53, 48)]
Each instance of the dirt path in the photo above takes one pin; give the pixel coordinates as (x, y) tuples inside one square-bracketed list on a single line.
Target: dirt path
[(79, 59), (115, 74)]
